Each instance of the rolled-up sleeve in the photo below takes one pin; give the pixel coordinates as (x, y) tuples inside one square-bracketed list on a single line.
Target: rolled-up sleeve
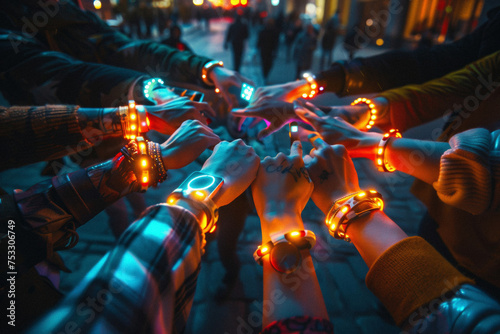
[(469, 172)]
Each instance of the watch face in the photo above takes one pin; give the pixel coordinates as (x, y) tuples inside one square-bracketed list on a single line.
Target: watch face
[(202, 185), (285, 257)]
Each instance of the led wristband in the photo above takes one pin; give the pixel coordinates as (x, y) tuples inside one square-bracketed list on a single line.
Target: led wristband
[(371, 106), (284, 249), (314, 88), (134, 120), (198, 189), (205, 71), (347, 208), (380, 160)]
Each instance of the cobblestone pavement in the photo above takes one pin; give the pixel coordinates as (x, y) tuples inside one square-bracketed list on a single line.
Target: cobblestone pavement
[(352, 307)]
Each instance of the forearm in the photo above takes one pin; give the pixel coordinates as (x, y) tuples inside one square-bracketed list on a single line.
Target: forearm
[(417, 158), (294, 294), (52, 209), (147, 287)]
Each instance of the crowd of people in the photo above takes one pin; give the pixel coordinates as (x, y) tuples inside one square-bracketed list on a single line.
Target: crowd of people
[(75, 83)]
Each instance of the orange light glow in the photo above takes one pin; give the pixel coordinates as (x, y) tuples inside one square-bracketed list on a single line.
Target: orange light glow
[(199, 194), (264, 249), (212, 229), (144, 179), (379, 162), (148, 122), (295, 234), (217, 90), (132, 127), (132, 116), (380, 151), (144, 163), (344, 209)]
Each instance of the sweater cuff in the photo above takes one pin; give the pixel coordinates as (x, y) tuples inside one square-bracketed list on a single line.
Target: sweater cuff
[(410, 274)]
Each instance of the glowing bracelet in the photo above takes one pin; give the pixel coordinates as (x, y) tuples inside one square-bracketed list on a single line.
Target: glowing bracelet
[(151, 85), (210, 211), (144, 163), (134, 120), (205, 71), (371, 106), (347, 208), (294, 240), (313, 85), (380, 160)]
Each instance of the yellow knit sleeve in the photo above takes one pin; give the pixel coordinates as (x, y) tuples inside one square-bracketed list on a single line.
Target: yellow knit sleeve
[(465, 179), (411, 274)]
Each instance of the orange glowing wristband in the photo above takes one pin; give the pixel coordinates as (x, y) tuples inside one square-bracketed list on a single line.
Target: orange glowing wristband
[(205, 72), (134, 120), (371, 106), (285, 246), (346, 209), (380, 160)]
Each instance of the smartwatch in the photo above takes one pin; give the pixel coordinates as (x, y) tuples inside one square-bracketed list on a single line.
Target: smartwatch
[(199, 188)]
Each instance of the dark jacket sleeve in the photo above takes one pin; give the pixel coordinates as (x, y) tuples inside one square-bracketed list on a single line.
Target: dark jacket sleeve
[(398, 68), (32, 134), (85, 36), (32, 75)]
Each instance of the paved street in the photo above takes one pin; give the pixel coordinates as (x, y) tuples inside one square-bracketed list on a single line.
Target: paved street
[(341, 271)]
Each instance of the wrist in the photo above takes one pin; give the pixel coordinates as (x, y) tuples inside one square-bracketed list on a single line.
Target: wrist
[(367, 146), (273, 222)]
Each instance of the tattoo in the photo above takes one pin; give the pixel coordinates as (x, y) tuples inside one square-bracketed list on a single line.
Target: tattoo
[(296, 172), (324, 176)]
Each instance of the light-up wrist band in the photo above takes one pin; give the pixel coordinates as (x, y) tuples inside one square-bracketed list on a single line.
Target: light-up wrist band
[(284, 249), (380, 160), (198, 189), (134, 120), (205, 71), (347, 208), (147, 163), (151, 85), (314, 88), (371, 107)]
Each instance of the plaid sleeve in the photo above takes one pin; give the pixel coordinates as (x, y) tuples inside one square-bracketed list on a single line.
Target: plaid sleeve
[(145, 284)]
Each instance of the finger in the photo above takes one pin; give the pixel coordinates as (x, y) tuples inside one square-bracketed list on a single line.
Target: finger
[(265, 132), (307, 117), (314, 109), (205, 107), (252, 111), (307, 160), (296, 148), (303, 134), (317, 142)]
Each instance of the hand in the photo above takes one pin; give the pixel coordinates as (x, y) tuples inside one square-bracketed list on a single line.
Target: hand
[(332, 172), (275, 113), (282, 187), (167, 117), (335, 130), (187, 143), (224, 79), (237, 164), (286, 92)]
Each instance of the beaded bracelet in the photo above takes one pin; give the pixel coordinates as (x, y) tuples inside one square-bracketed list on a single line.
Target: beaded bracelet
[(349, 207), (371, 106), (313, 86), (154, 151), (380, 160)]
